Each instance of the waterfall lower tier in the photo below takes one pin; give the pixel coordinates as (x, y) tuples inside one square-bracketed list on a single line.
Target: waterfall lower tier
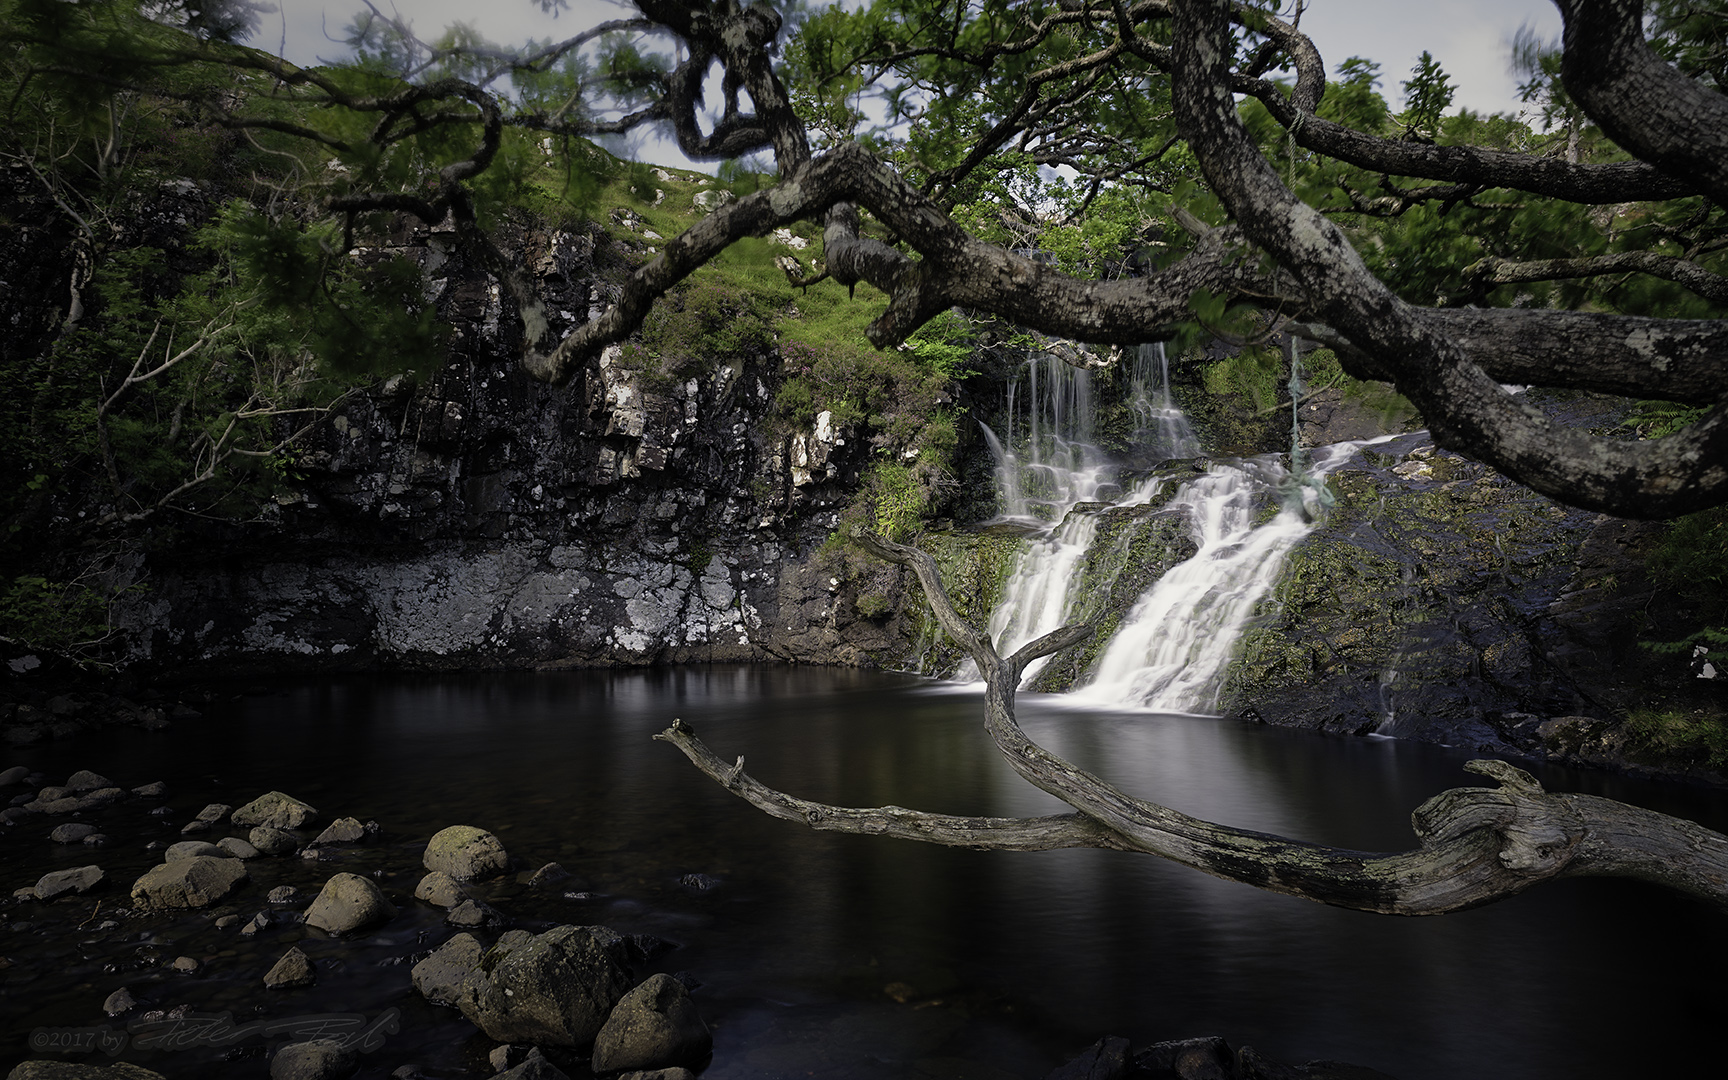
[(1170, 650)]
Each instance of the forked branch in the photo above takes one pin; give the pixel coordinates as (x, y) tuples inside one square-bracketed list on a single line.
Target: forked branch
[(1473, 845)]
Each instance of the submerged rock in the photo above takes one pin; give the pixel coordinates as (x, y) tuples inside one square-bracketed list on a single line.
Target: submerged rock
[(73, 832), (533, 1067), (275, 810), (653, 1026), (349, 903), (439, 977), (1106, 1059), (192, 849), (207, 818), (344, 831), (317, 1059), (554, 989), (273, 841), (189, 883), (439, 889), (78, 880), (466, 853), (292, 971)]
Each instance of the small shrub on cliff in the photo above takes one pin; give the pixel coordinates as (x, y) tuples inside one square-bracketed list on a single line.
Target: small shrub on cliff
[(1690, 736), (704, 321)]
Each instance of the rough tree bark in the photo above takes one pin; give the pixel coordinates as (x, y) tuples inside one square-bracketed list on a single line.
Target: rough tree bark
[(1473, 845)]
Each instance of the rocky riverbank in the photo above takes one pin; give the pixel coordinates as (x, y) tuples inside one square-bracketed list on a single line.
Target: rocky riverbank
[(273, 939)]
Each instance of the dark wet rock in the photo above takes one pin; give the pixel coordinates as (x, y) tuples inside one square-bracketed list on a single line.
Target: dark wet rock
[(73, 1070), (156, 789), (260, 922), (653, 1026), (14, 775), (349, 903), (120, 1002), (273, 841), (439, 889), (237, 848), (1106, 1059), (1251, 1065), (60, 800), (550, 874), (95, 840), (77, 880), (700, 882), (292, 971), (344, 831), (472, 914), (533, 1067), (317, 1059), (229, 922), (552, 989), (189, 883), (73, 832), (192, 849), (84, 780), (677, 1072), (207, 818), (466, 853), (285, 894), (12, 815), (1187, 1059), (185, 965), (439, 977), (275, 810)]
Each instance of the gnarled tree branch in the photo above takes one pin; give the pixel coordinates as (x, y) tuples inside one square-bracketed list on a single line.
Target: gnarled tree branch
[(1474, 845)]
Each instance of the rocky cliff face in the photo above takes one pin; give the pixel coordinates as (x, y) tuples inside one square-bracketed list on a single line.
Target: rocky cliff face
[(473, 517)]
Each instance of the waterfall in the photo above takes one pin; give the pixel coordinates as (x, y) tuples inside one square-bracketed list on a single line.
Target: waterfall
[(1162, 425), (1170, 649)]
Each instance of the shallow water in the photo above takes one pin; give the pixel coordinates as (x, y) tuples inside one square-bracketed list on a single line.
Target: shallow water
[(1008, 964)]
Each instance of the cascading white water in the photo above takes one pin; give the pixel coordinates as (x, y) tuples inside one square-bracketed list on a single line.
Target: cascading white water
[(1170, 650), (1162, 424), (1052, 424)]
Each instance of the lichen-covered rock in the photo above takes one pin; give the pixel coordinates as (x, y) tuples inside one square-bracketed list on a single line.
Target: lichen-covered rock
[(553, 989), (189, 883), (79, 880), (237, 848), (273, 841), (343, 831), (439, 977), (192, 849), (275, 810), (316, 1059), (84, 780), (533, 1067), (653, 1026), (293, 970), (349, 903), (440, 889), (466, 853), (207, 819)]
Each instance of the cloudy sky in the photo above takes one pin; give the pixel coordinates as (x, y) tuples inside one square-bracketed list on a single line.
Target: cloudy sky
[(1470, 38)]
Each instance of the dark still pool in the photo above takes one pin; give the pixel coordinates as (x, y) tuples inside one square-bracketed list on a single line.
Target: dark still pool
[(843, 956)]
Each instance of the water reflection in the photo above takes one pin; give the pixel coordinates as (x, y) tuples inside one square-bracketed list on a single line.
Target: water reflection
[(1018, 960)]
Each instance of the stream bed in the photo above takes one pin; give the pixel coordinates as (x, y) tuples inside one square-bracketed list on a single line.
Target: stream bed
[(843, 956)]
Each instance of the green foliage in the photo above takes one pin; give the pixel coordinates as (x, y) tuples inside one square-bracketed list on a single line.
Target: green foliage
[(1427, 93), (1255, 376), (1671, 733), (703, 321), (1654, 419), (898, 499), (65, 617), (1693, 555)]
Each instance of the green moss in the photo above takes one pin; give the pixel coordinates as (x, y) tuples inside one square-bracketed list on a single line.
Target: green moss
[(1696, 736)]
